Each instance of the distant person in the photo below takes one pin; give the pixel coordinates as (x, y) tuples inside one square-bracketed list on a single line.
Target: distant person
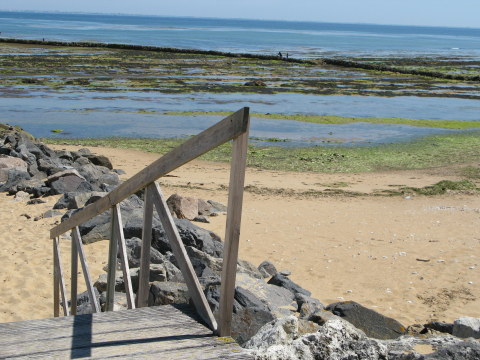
[(280, 54)]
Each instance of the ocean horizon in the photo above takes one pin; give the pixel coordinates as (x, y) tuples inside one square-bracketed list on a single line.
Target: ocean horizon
[(298, 39)]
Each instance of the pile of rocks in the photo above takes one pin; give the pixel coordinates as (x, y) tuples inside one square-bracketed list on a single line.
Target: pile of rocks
[(272, 316)]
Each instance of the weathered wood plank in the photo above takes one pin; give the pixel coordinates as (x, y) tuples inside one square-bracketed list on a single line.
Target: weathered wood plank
[(86, 273), (117, 217), (165, 332), (73, 276), (232, 231), (225, 130), (194, 287), (112, 264), (144, 272)]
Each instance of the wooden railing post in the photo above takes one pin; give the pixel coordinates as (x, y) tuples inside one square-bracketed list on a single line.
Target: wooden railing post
[(119, 236), (232, 231), (73, 277), (144, 274), (194, 288), (86, 273), (59, 284), (112, 265)]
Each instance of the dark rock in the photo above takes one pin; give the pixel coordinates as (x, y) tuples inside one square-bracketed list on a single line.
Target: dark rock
[(466, 327), (248, 300), (283, 281), (99, 160), (83, 302), (199, 238), (371, 322), (36, 201), (267, 269), (440, 327), (63, 154), (119, 301), (69, 183), (307, 305), (13, 178), (201, 219), (255, 83), (164, 293), (279, 301), (134, 249), (247, 321)]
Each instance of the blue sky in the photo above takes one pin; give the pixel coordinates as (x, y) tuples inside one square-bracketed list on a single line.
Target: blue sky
[(458, 13)]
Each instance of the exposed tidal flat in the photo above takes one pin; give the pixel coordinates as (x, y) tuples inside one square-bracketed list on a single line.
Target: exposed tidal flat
[(98, 92)]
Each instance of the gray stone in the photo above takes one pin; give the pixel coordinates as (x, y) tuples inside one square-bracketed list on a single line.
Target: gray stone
[(283, 281), (134, 248), (267, 269), (248, 300), (335, 340), (247, 321), (164, 293), (83, 302), (466, 327), (70, 183), (217, 207), (99, 160), (280, 301), (22, 196), (119, 171), (183, 207), (371, 322), (7, 163), (204, 208), (307, 305), (201, 219), (60, 174), (14, 177), (51, 213), (119, 301)]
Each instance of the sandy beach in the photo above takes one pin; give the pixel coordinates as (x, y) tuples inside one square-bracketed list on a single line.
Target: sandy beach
[(412, 258)]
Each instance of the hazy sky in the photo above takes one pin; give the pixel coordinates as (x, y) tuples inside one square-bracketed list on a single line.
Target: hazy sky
[(463, 13)]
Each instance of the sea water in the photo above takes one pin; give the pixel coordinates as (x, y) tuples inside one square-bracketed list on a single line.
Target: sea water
[(39, 112)]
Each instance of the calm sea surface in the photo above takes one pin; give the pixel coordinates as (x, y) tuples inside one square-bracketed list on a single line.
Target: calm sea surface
[(300, 39), (118, 114)]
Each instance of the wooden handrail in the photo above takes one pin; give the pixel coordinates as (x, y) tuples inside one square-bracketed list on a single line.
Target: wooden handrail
[(218, 134), (233, 127)]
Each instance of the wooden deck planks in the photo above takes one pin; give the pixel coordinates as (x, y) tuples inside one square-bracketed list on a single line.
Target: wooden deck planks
[(167, 332)]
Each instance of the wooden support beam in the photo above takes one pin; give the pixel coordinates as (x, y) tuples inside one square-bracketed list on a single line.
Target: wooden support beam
[(225, 130), (194, 287), (73, 277), (59, 281), (56, 280), (232, 231), (144, 273), (86, 273), (118, 234), (112, 265)]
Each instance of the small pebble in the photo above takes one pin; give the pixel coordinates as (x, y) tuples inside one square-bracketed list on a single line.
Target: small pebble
[(285, 272), (472, 267), (422, 259)]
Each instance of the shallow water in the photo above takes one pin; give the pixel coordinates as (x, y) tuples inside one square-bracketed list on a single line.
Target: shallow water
[(104, 114)]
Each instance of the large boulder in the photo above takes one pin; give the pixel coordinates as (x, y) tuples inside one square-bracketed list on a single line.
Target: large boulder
[(371, 322), (183, 207)]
